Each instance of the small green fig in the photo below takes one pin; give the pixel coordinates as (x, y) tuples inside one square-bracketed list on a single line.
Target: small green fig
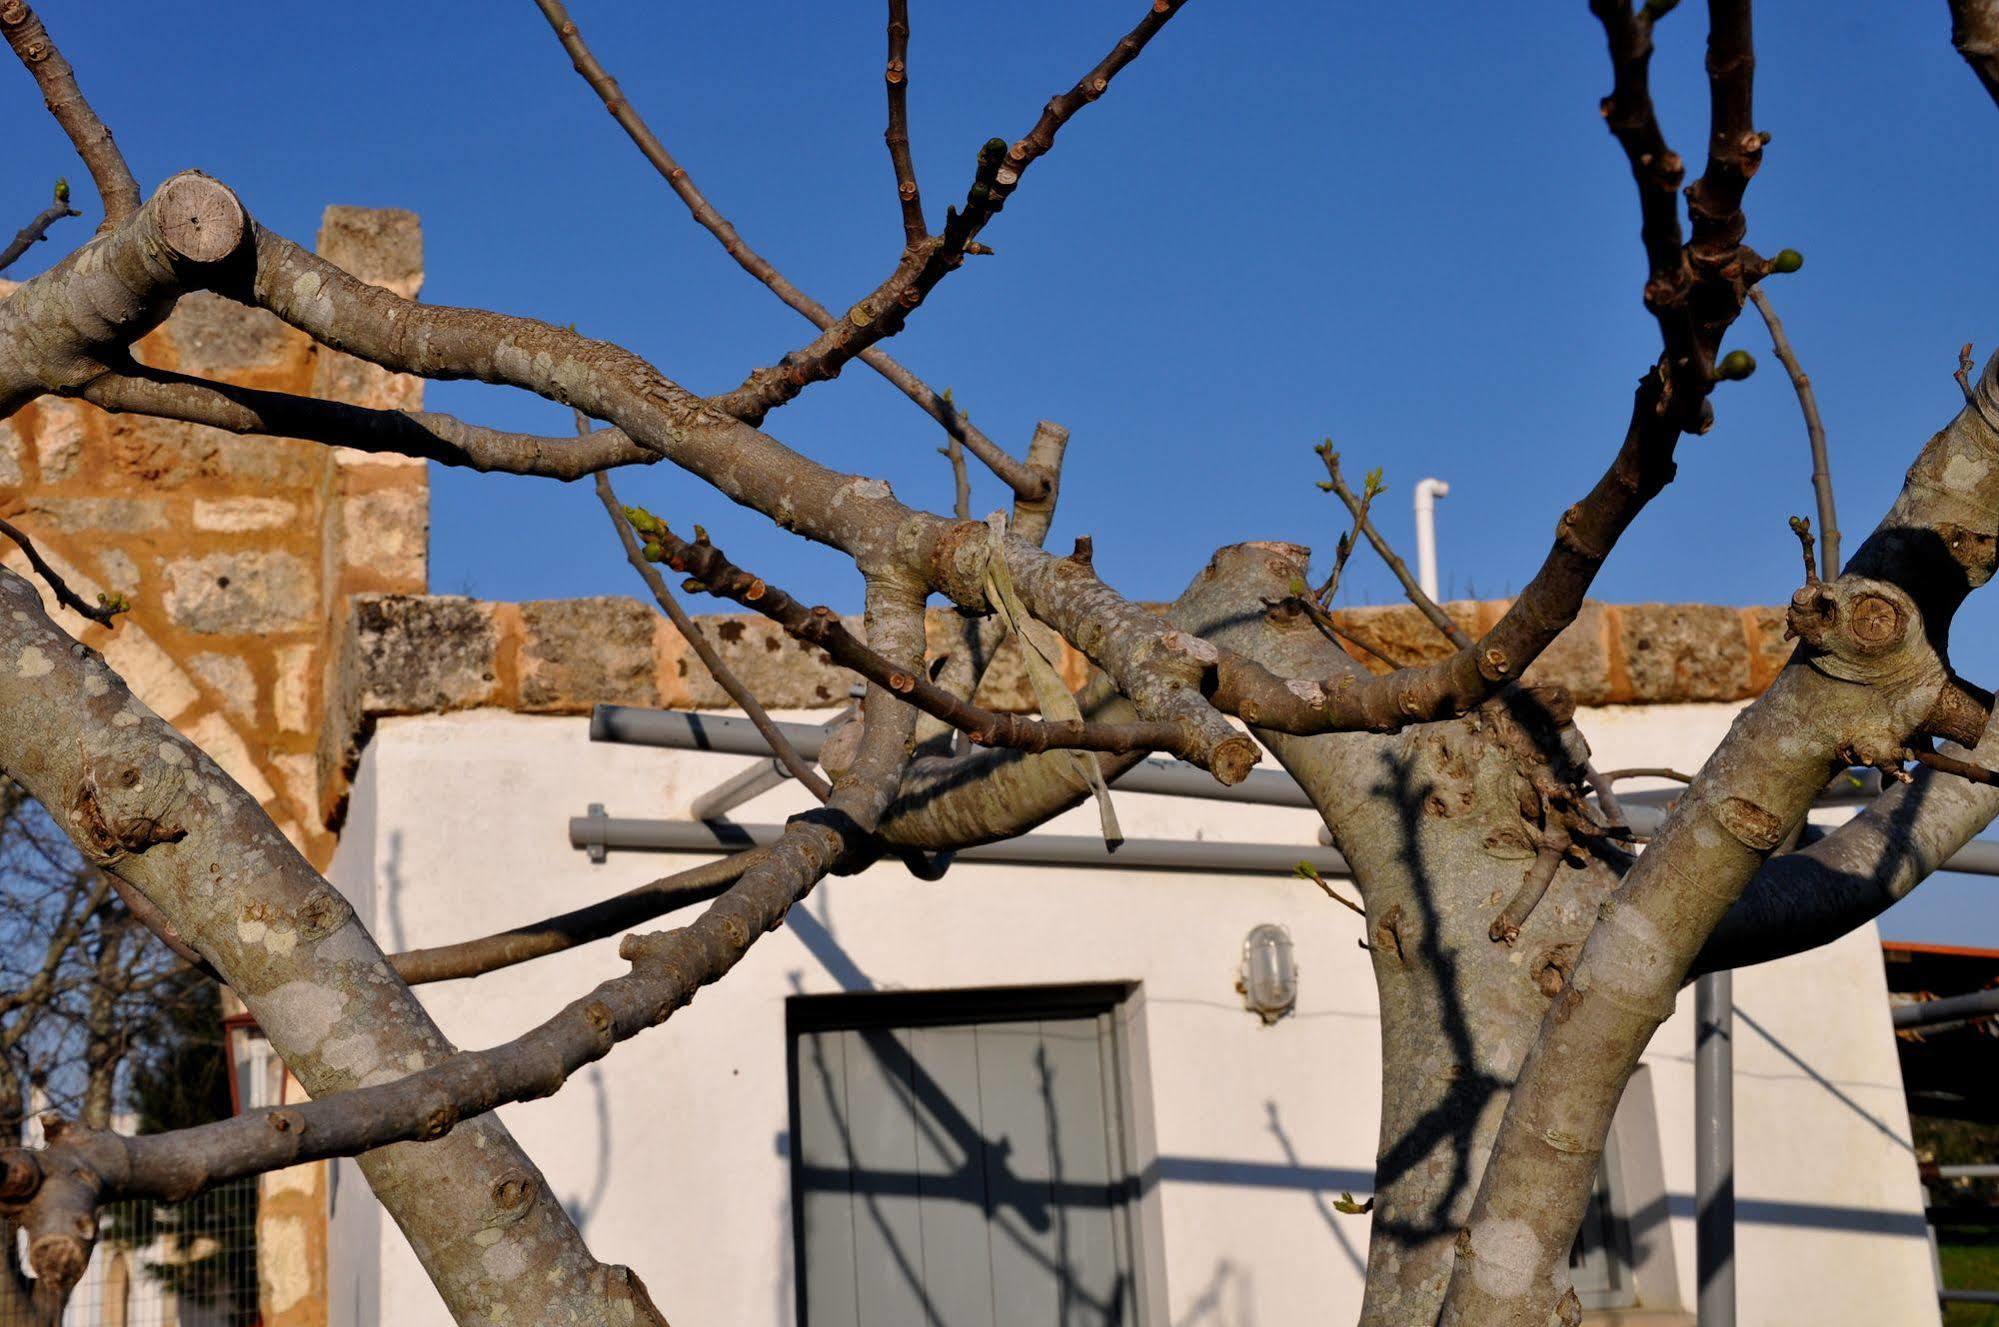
[(1735, 365)]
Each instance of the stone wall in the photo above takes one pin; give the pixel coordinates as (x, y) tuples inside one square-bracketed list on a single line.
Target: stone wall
[(238, 554), (411, 654)]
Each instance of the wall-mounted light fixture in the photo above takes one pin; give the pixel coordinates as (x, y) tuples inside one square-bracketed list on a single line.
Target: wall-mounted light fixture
[(1269, 977)]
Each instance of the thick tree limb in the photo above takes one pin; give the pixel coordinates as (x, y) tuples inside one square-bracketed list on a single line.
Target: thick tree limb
[(1432, 824), (1867, 674), (595, 921), (148, 807), (1023, 480), (1807, 898), (423, 433), (115, 289), (38, 229), (37, 51), (1170, 677)]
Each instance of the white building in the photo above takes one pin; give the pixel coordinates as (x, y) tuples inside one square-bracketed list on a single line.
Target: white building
[(1028, 1094)]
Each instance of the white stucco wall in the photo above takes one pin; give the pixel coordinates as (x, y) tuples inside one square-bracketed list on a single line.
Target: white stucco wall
[(673, 1152)]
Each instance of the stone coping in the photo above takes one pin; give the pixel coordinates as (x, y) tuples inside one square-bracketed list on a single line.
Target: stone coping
[(428, 654)]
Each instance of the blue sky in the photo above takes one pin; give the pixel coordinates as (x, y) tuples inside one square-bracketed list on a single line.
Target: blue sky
[(1403, 227)]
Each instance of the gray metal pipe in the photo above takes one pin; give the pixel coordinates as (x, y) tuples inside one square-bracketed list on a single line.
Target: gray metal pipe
[(1979, 1172), (596, 833), (1951, 1009), (1969, 1296), (683, 731), (1714, 1147)]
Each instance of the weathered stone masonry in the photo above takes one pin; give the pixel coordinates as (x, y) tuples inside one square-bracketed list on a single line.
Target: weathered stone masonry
[(238, 554)]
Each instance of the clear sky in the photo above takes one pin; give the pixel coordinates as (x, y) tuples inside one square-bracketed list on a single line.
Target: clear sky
[(1400, 226)]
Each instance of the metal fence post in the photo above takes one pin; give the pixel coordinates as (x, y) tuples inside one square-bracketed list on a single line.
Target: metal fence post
[(1714, 1147)]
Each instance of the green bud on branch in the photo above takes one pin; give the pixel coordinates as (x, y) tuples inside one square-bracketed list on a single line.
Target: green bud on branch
[(1735, 366)]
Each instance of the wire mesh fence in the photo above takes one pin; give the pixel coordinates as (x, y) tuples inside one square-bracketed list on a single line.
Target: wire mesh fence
[(191, 1264)]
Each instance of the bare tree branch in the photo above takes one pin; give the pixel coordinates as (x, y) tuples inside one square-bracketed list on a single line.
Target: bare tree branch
[(37, 51), (580, 926), (796, 765), (421, 433), (38, 229), (101, 612), (1022, 480), (57, 327), (881, 313), (1423, 602), (821, 626), (1803, 899), (81, 1168), (896, 75), (1814, 427)]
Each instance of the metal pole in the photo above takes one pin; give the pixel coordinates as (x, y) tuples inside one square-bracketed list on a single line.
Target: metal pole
[(1975, 1172), (597, 832), (1427, 493), (1714, 1147), (1954, 1009), (682, 731)]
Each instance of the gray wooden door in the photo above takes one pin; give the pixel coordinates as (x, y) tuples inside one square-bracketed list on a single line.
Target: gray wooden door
[(963, 1174)]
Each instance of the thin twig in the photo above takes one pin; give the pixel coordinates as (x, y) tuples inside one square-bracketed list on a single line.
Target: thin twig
[(37, 50), (1647, 772), (1801, 526), (1311, 873), (1010, 471), (1411, 588), (796, 765), (1554, 850), (1963, 769), (896, 75), (1605, 788), (107, 606), (954, 452), (38, 228), (1814, 432), (1963, 374), (1370, 490)]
